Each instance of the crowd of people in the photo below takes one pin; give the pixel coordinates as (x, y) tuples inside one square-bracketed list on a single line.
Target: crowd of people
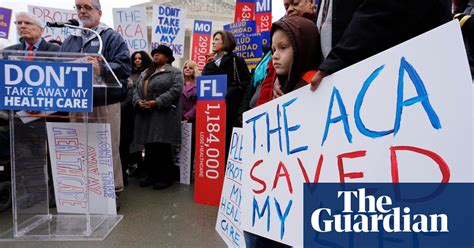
[(146, 113)]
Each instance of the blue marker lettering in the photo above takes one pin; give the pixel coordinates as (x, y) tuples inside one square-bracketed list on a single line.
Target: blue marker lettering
[(281, 216), (290, 129), (266, 208), (358, 104), (342, 117), (272, 131), (254, 120), (422, 96)]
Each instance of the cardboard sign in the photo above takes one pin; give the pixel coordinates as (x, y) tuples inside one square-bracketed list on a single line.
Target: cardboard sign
[(183, 156), (48, 14), (51, 86), (399, 116), (67, 151), (168, 28), (201, 42), (210, 139), (228, 223), (5, 18), (131, 24)]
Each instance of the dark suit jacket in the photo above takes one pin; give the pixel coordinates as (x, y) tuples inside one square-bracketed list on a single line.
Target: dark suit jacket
[(362, 28), (44, 46)]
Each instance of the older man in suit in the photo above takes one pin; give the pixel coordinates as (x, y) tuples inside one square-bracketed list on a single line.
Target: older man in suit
[(30, 29)]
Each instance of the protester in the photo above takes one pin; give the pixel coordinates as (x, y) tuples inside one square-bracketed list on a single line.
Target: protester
[(270, 87), (355, 30), (158, 117), (188, 97), (140, 62), (30, 29), (225, 61), (295, 54), (131, 153), (295, 51), (115, 51)]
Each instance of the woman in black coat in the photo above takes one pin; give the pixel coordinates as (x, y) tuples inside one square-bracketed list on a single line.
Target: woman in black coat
[(238, 77)]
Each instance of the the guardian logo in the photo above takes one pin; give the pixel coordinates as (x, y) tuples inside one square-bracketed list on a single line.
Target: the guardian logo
[(374, 215)]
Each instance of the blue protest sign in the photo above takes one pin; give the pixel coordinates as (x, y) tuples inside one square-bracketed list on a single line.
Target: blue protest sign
[(211, 87), (49, 86), (241, 28), (202, 27)]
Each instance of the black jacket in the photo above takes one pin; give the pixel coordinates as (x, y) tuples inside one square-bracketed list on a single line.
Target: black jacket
[(44, 46), (235, 91), (362, 28)]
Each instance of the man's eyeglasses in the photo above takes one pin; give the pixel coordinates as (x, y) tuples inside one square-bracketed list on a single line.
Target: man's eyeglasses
[(27, 23), (85, 7)]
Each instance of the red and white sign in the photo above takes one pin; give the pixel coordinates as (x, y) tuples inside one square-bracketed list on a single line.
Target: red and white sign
[(201, 42), (210, 139), (244, 10), (263, 17)]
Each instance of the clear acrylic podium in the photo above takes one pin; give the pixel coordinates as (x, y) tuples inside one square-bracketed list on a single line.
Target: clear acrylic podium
[(31, 181)]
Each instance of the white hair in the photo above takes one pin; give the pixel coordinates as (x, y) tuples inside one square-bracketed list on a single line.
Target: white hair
[(36, 20), (96, 4)]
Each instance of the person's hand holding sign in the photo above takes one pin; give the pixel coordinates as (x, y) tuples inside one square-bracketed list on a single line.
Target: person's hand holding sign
[(316, 80)]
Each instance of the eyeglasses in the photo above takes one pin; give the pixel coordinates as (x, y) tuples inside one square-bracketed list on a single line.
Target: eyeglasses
[(85, 7), (27, 23)]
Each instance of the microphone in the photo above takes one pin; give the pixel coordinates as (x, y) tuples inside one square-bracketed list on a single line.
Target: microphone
[(72, 22)]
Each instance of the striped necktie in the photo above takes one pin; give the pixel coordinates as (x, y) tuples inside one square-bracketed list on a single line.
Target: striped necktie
[(30, 49)]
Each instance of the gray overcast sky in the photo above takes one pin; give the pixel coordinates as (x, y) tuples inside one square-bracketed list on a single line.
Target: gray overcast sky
[(107, 5)]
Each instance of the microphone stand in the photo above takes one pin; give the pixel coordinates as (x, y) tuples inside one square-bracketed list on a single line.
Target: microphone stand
[(91, 30)]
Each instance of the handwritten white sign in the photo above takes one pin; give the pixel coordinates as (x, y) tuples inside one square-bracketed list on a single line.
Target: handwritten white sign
[(131, 24), (72, 168), (182, 157), (48, 14), (168, 28), (228, 223), (404, 115)]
